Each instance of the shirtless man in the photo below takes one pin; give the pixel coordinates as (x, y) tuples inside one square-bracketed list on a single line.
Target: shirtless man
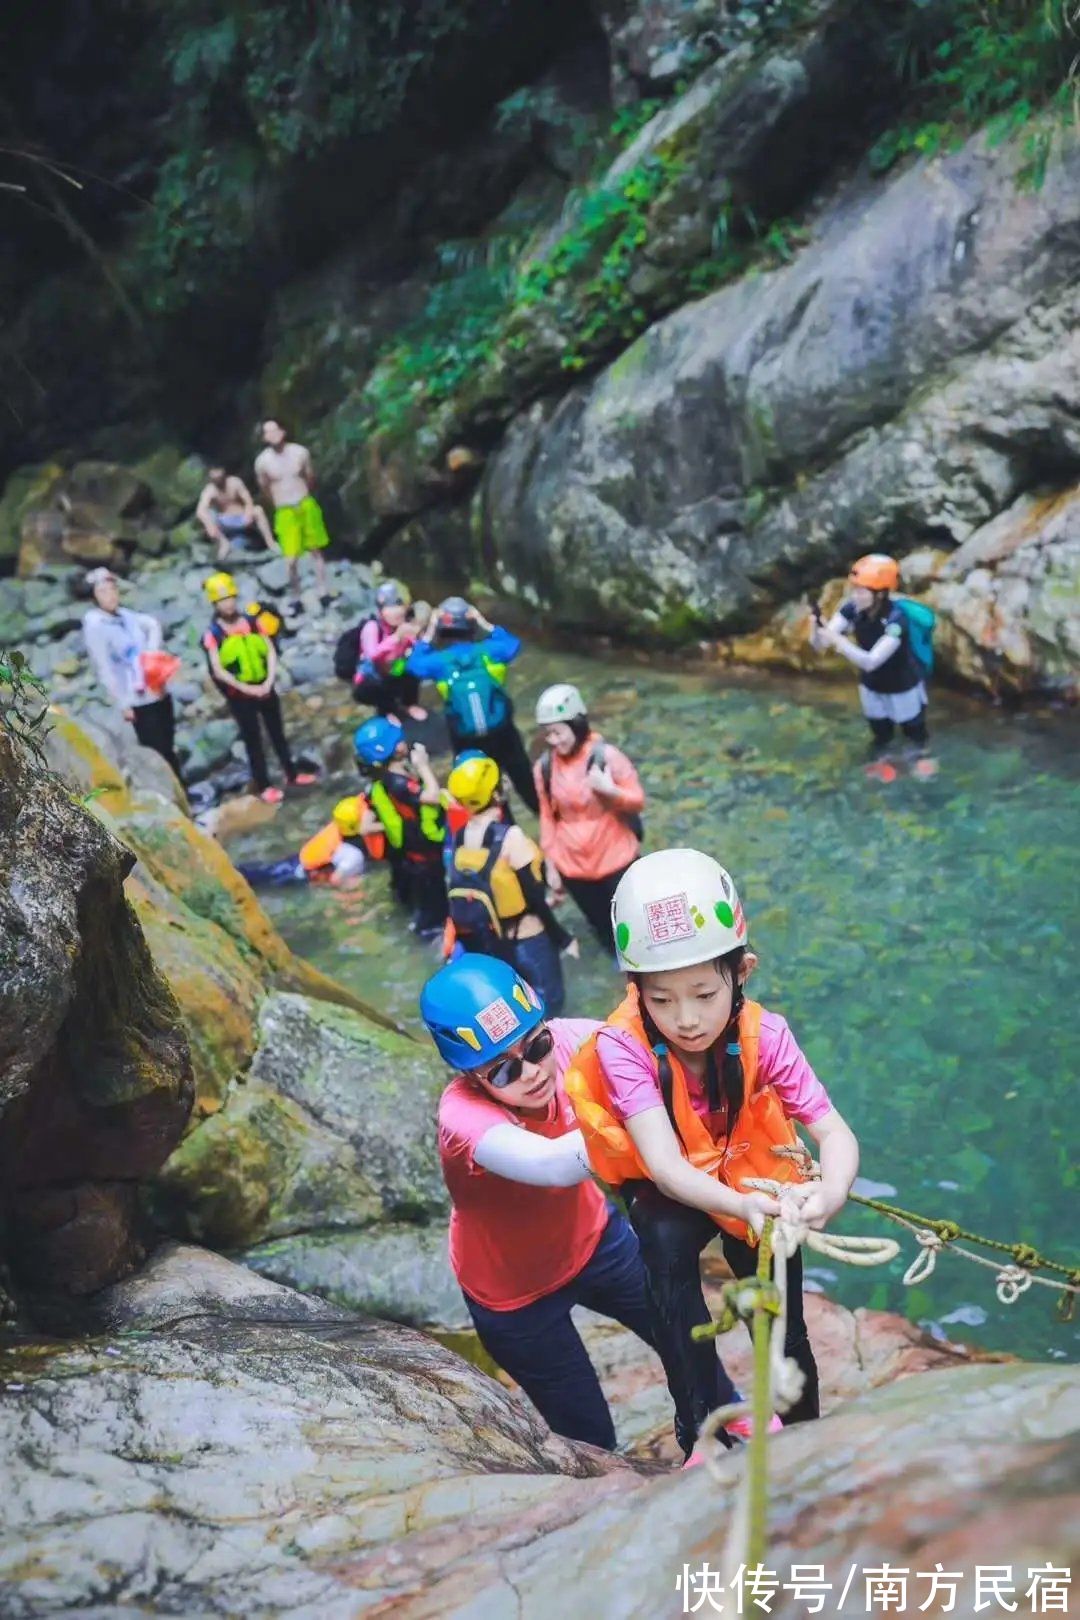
[(227, 512), (285, 474)]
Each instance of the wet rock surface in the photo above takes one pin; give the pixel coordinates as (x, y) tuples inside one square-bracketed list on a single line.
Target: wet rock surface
[(230, 1447)]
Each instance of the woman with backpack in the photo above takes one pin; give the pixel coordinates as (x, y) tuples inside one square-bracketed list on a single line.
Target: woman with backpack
[(497, 895), (372, 655), (470, 677), (888, 641), (590, 807)]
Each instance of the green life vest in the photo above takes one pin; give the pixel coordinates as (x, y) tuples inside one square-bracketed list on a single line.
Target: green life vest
[(417, 830), (242, 649)]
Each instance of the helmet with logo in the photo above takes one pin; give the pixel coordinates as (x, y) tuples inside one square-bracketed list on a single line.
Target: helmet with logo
[(876, 572), (346, 814), (219, 587), (453, 614), (674, 909), (473, 782), (392, 593), (560, 703), (376, 740), (477, 1008)]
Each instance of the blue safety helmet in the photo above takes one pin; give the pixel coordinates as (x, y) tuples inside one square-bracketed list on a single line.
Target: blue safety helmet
[(477, 1008), (469, 753), (376, 740)]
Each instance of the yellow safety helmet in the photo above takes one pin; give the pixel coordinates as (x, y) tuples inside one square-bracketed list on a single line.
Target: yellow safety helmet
[(347, 816), (473, 783), (220, 586)]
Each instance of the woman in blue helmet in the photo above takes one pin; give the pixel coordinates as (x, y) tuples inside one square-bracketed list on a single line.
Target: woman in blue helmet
[(531, 1234), (405, 803)]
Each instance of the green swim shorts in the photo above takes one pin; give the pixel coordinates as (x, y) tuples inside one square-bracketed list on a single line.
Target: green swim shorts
[(301, 528)]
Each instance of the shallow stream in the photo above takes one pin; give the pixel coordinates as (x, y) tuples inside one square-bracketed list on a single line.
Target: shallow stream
[(918, 936)]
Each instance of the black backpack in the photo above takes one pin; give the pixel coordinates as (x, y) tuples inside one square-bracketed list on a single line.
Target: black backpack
[(597, 756), (347, 652), (470, 895)]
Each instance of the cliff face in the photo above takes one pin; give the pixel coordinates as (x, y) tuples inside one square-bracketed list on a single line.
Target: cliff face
[(652, 315), (168, 1064)]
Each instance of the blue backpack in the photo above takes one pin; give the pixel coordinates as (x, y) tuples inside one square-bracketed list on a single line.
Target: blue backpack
[(475, 700), (920, 621)]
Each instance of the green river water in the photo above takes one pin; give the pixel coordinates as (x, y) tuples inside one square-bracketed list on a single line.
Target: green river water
[(919, 937)]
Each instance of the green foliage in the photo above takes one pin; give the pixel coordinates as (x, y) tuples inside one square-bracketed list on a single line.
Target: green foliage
[(24, 703), (997, 64)]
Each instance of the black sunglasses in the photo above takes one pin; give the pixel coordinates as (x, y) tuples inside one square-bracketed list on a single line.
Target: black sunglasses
[(505, 1073)]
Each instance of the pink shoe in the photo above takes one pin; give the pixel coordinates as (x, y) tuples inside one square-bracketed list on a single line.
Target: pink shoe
[(925, 767), (271, 795), (744, 1426), (695, 1460), (416, 712), (303, 779)]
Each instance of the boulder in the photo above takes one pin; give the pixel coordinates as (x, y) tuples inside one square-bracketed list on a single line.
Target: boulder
[(332, 1127), (748, 446), (229, 1447), (96, 1068), (27, 489)]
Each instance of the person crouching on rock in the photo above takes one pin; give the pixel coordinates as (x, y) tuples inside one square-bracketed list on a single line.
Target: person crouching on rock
[(531, 1234), (243, 664), (337, 854), (689, 1093), (498, 898), (406, 804), (378, 649), (892, 687)]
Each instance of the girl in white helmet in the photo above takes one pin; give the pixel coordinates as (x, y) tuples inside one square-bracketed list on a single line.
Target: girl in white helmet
[(590, 807), (683, 1097)]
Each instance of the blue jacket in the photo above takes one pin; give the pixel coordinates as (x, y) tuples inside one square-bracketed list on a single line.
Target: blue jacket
[(429, 663)]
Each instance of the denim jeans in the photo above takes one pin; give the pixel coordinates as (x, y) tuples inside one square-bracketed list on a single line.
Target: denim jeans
[(539, 1346), (537, 960)]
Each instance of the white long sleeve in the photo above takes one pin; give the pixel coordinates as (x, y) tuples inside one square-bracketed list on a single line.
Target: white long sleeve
[(870, 659), (538, 1161)]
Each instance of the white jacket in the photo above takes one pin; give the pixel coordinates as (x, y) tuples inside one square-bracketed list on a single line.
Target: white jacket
[(114, 642)]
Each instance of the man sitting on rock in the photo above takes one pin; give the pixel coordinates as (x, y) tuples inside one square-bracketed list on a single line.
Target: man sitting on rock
[(124, 648), (228, 513)]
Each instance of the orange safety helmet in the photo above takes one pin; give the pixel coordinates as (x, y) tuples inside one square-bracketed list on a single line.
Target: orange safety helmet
[(876, 572)]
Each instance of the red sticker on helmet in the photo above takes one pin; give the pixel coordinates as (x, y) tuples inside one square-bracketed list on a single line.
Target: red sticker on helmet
[(498, 1020), (669, 919)]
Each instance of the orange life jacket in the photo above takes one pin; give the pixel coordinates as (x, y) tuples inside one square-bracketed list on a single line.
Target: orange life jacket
[(747, 1153), (319, 850)]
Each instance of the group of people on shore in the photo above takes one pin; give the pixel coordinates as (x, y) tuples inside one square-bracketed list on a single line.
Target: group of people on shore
[(587, 1162)]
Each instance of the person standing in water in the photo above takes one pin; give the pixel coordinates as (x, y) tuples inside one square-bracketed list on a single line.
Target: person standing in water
[(228, 513), (286, 476), (496, 890), (243, 664), (119, 643), (874, 632), (590, 807), (470, 677), (688, 1093), (531, 1234)]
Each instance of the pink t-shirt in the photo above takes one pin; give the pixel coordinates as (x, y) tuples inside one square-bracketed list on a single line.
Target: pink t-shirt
[(511, 1243), (379, 643), (633, 1084)]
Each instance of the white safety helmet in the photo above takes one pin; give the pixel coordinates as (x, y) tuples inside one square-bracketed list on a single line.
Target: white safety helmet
[(559, 704), (674, 909)]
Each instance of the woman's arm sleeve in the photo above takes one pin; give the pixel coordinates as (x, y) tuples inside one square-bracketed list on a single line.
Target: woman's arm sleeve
[(538, 1161)]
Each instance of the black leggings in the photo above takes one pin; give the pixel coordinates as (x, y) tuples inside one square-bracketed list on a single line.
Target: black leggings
[(246, 712), (593, 897), (915, 731), (506, 748), (672, 1236), (388, 694), (420, 886), (155, 727)]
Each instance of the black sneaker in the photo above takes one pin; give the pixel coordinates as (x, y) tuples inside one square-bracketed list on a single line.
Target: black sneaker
[(296, 607)]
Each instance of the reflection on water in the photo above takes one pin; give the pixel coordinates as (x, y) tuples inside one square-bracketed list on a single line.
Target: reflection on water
[(916, 936)]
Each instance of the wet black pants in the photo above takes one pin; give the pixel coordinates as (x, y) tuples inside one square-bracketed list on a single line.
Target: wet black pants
[(388, 694), (882, 732), (155, 727), (247, 711), (593, 897), (672, 1237)]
